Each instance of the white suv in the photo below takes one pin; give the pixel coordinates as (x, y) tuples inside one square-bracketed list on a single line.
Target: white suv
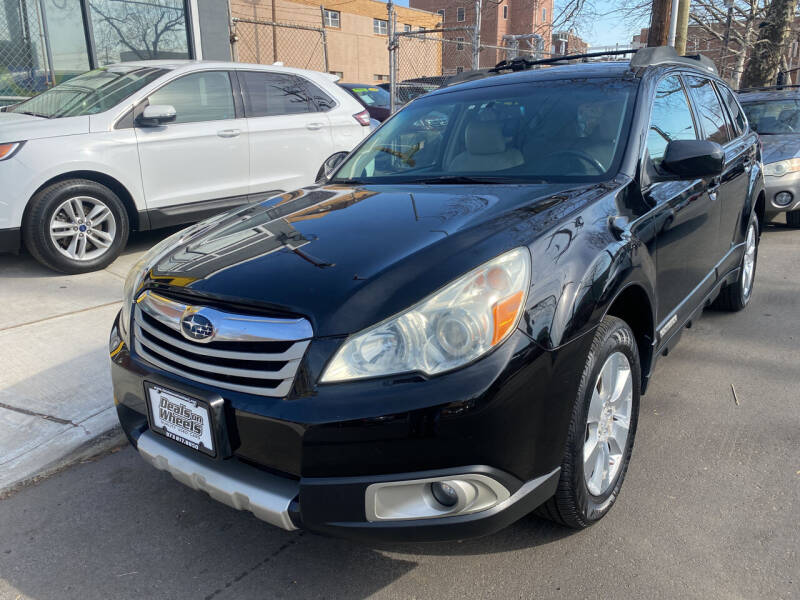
[(149, 144)]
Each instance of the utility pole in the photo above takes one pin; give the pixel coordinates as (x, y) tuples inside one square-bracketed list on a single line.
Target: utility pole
[(727, 39), (476, 36), (673, 23), (683, 27), (392, 57), (659, 23)]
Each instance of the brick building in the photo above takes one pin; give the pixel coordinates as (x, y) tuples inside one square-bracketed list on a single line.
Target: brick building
[(356, 30), (567, 42), (498, 18)]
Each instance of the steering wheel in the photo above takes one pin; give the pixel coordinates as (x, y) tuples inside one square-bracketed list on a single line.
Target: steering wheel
[(591, 161)]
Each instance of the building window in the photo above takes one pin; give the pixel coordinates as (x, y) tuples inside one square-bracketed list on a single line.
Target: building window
[(127, 30), (459, 69), (441, 13), (380, 26), (460, 44), (379, 77), (460, 14), (339, 74), (406, 27), (544, 15), (331, 18), (505, 11)]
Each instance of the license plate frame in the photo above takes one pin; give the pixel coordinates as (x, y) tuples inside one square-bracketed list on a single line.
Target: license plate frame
[(193, 406)]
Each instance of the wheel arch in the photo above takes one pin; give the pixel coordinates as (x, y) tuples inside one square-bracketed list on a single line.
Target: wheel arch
[(110, 182), (632, 304)]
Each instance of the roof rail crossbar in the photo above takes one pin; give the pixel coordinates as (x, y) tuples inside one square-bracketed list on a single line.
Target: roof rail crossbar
[(666, 55), (520, 63)]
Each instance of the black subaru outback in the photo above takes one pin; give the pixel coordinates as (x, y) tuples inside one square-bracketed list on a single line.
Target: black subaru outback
[(456, 327)]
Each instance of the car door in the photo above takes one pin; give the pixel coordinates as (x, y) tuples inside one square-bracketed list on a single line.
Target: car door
[(740, 155), (732, 184), (290, 136), (685, 216), (203, 156)]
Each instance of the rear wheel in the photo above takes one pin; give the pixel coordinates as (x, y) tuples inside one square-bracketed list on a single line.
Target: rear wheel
[(75, 226), (736, 296), (793, 218), (602, 429)]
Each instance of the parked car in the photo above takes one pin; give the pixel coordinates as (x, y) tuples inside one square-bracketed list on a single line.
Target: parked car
[(375, 99), (455, 328), (406, 92), (149, 144), (775, 114)]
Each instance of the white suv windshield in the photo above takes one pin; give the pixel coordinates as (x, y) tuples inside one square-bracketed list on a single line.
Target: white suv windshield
[(90, 93)]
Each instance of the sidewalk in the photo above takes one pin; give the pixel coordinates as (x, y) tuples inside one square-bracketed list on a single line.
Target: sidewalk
[(55, 389)]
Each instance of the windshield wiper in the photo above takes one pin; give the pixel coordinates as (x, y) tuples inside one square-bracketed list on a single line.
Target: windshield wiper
[(456, 179), (31, 113)]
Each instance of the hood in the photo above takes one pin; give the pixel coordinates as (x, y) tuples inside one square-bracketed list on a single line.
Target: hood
[(779, 147), (16, 127), (347, 257)]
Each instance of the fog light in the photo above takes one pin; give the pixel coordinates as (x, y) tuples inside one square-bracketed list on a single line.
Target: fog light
[(433, 497), (444, 493), (783, 198)]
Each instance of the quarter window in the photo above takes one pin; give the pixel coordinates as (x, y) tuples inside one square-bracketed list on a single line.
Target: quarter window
[(671, 118), (273, 94), (460, 14), (331, 18), (710, 111), (205, 96), (737, 114), (380, 26)]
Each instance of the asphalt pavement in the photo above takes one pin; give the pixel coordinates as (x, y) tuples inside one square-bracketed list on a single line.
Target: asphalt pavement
[(709, 508)]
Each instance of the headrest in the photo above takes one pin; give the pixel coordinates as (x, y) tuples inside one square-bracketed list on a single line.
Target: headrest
[(484, 137)]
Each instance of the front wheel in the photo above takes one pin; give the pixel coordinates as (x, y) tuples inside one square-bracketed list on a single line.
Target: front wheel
[(75, 226), (601, 431), (736, 296)]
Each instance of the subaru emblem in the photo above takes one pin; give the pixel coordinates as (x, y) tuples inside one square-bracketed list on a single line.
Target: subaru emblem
[(196, 327)]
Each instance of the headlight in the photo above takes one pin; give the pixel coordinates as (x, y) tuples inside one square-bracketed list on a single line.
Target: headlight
[(449, 329), (9, 150), (782, 167)]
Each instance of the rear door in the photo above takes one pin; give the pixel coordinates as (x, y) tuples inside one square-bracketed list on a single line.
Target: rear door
[(290, 137), (686, 218), (202, 156)]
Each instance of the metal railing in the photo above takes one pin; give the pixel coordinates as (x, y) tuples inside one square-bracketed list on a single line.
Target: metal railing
[(268, 42)]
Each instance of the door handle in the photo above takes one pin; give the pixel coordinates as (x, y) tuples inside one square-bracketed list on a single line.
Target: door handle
[(313, 126), (229, 133)]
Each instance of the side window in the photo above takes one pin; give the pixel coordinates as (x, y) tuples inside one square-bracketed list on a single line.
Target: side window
[(671, 118), (205, 96), (710, 111), (273, 94), (322, 101), (735, 109)]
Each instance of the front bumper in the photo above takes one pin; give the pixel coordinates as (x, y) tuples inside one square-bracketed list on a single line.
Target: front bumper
[(306, 461), (774, 186)]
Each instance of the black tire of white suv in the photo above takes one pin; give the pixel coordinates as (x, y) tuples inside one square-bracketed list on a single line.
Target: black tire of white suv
[(75, 226)]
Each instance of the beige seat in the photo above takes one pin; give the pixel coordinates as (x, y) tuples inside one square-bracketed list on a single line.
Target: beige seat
[(485, 150)]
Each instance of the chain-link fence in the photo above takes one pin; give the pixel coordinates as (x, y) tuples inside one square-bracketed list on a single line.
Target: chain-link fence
[(267, 42), (23, 55)]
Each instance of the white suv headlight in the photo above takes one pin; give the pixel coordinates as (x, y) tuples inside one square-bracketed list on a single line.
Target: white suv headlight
[(449, 329)]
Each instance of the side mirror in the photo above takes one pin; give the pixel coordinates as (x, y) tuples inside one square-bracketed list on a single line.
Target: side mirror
[(156, 115), (329, 166), (693, 159)]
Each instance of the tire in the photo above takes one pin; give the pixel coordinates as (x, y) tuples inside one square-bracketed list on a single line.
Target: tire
[(793, 219), (585, 494), (736, 296), (59, 237)]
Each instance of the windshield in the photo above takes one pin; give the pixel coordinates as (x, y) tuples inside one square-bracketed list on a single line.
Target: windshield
[(372, 96), (773, 117), (90, 93), (562, 131)]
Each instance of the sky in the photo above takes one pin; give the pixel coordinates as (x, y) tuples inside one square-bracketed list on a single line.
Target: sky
[(604, 31)]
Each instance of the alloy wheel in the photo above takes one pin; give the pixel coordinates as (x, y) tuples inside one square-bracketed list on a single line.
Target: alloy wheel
[(83, 228), (608, 424), (749, 262)]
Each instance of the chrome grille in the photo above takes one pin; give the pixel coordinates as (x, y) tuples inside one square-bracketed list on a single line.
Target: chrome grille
[(256, 355)]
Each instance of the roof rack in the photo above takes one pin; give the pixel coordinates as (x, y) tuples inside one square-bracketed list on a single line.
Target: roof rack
[(768, 88), (643, 57)]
